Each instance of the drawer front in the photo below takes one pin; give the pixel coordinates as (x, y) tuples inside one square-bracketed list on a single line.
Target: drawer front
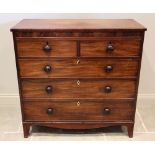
[(78, 110), (109, 48), (79, 68), (46, 48), (83, 88)]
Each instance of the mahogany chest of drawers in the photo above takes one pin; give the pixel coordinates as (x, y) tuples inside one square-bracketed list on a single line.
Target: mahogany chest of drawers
[(78, 74)]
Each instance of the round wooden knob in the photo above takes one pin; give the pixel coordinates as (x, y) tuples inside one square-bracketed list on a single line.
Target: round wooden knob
[(48, 89), (110, 48), (108, 68), (49, 111), (47, 68), (106, 111), (108, 89), (47, 48)]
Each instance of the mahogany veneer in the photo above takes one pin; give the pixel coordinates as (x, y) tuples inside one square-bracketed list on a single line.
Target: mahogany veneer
[(78, 74)]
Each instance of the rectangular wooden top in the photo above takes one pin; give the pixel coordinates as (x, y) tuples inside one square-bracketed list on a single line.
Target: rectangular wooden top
[(78, 24)]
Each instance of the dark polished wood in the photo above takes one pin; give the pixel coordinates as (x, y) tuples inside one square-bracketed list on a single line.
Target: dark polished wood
[(26, 129), (78, 74), (79, 111), (72, 34), (38, 48), (83, 88), (118, 47), (79, 67), (78, 24)]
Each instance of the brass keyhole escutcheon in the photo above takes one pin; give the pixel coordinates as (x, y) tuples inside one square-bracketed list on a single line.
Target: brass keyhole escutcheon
[(78, 82), (78, 103)]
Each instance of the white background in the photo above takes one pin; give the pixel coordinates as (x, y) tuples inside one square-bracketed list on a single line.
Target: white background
[(8, 84)]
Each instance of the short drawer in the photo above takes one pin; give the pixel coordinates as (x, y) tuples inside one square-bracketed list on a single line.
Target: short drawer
[(110, 48), (46, 47), (78, 88), (79, 68), (78, 110)]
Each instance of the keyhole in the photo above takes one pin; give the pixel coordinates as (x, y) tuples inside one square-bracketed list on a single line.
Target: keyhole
[(78, 82), (78, 103)]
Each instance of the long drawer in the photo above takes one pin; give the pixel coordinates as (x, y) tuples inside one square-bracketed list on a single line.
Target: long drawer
[(120, 110), (78, 68), (78, 88)]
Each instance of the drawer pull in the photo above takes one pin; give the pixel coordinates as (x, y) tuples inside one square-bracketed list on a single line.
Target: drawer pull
[(108, 89), (110, 48), (78, 103), (108, 68), (47, 68), (78, 82), (107, 111), (49, 89), (78, 61), (47, 48), (49, 111)]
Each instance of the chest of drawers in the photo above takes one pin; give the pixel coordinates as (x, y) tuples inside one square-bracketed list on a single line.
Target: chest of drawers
[(78, 74)]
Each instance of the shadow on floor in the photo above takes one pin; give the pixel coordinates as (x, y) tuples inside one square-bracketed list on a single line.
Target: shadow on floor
[(41, 129)]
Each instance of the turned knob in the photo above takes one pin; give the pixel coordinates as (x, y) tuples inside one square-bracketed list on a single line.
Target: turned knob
[(47, 48), (106, 111), (47, 68), (108, 89), (48, 89), (110, 48), (108, 68), (49, 111)]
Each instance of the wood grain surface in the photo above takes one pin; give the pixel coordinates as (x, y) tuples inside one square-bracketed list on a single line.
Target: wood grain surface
[(78, 74), (122, 47), (86, 111), (69, 88), (78, 24), (85, 68), (34, 48)]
